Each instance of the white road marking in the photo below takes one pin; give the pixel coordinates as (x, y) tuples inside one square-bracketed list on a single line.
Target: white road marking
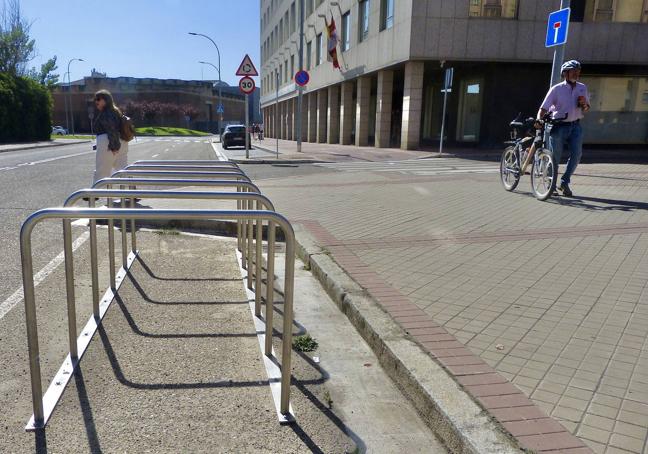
[(219, 154), (18, 295), (156, 155), (43, 161)]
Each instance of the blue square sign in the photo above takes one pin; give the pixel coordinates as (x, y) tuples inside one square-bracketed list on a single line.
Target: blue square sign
[(557, 28)]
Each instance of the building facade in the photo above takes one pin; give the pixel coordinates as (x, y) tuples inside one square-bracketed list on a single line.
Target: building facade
[(393, 55), (196, 102)]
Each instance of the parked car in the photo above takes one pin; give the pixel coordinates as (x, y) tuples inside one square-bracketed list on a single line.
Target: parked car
[(59, 130), (234, 135)]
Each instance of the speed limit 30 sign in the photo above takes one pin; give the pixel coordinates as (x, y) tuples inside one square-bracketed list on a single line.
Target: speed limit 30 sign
[(246, 85)]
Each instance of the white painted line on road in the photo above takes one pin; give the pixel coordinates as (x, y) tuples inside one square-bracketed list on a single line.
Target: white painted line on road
[(43, 161), (219, 154), (18, 295), (156, 155)]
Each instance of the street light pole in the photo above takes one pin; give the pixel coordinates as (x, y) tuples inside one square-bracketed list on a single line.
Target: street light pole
[(220, 94), (301, 68), (67, 97)]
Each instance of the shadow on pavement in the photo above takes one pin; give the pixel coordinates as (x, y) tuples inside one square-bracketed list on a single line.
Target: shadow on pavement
[(133, 325), (148, 299), (88, 419), (119, 374), (588, 203), (151, 273)]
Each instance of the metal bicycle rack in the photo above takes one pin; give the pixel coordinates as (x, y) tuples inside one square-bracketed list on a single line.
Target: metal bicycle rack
[(218, 168), (250, 246), (202, 163), (243, 229)]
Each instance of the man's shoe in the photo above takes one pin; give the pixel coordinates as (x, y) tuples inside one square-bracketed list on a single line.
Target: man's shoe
[(564, 187)]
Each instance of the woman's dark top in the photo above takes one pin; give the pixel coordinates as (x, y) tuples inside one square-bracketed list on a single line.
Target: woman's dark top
[(108, 122)]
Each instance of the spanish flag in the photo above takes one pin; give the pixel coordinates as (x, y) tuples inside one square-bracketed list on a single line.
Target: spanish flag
[(332, 42)]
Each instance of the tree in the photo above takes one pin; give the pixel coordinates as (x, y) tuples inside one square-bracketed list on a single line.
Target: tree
[(46, 76), (16, 47)]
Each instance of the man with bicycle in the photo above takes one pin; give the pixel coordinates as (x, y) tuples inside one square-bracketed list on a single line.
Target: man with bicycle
[(569, 100)]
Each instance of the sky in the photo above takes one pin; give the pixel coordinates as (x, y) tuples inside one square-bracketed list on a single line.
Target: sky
[(145, 38)]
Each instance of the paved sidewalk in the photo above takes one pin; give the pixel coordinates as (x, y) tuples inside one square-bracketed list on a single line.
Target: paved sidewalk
[(327, 152), (538, 309)]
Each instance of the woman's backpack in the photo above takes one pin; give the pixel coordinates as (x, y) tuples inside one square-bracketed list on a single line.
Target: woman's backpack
[(126, 129)]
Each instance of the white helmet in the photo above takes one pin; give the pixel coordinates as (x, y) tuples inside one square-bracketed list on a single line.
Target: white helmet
[(571, 64)]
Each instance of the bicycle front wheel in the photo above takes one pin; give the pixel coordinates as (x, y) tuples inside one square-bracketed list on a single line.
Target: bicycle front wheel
[(543, 174), (510, 168)]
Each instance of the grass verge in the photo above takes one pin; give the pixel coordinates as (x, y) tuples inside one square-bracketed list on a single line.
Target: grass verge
[(168, 131), (76, 137)]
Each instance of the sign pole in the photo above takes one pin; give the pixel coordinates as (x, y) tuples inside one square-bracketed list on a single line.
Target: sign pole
[(559, 54), (276, 111), (447, 84), (301, 67), (247, 126)]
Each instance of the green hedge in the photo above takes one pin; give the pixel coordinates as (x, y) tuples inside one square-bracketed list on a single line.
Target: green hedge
[(25, 110)]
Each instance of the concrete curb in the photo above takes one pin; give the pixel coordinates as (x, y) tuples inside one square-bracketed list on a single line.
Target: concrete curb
[(449, 411), (53, 144)]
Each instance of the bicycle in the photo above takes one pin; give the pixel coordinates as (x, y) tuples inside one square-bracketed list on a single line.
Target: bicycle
[(530, 150)]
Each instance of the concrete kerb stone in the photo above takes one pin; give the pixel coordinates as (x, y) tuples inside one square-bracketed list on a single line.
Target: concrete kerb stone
[(450, 412)]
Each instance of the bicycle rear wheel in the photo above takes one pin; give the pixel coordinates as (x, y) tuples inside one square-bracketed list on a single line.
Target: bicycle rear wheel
[(510, 168), (543, 174)]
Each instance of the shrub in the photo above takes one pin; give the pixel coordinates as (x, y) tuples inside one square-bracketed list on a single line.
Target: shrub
[(25, 110)]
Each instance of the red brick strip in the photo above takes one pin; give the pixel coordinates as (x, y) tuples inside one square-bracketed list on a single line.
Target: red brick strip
[(489, 237), (516, 413)]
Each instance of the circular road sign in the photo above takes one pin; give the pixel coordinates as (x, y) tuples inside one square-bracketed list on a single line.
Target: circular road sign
[(246, 84), (302, 78)]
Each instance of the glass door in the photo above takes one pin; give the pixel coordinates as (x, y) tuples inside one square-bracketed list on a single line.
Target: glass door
[(470, 108)]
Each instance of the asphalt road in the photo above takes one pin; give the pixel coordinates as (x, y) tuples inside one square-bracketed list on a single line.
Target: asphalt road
[(35, 179)]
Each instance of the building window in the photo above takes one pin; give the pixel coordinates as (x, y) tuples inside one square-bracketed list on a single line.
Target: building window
[(346, 31), (386, 14), (280, 74), (616, 11), (494, 8), (318, 49), (363, 20), (309, 52), (309, 8), (293, 18), (292, 67), (619, 109), (286, 78)]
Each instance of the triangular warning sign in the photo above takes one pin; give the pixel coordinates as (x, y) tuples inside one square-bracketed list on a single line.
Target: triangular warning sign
[(246, 68)]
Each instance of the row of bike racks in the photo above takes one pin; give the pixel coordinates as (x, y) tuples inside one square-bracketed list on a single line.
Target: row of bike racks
[(253, 210)]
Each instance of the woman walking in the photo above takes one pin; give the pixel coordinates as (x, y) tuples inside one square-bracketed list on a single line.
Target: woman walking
[(112, 152)]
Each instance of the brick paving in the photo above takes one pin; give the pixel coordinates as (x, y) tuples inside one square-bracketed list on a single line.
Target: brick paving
[(540, 310)]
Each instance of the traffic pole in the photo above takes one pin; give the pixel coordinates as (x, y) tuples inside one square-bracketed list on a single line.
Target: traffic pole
[(276, 111), (301, 68), (247, 126), (559, 54)]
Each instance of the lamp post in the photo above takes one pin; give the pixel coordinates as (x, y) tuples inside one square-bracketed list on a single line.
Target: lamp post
[(220, 97), (67, 98)]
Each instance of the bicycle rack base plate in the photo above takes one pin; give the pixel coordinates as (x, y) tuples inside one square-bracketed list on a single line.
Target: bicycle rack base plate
[(66, 372), (273, 370)]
